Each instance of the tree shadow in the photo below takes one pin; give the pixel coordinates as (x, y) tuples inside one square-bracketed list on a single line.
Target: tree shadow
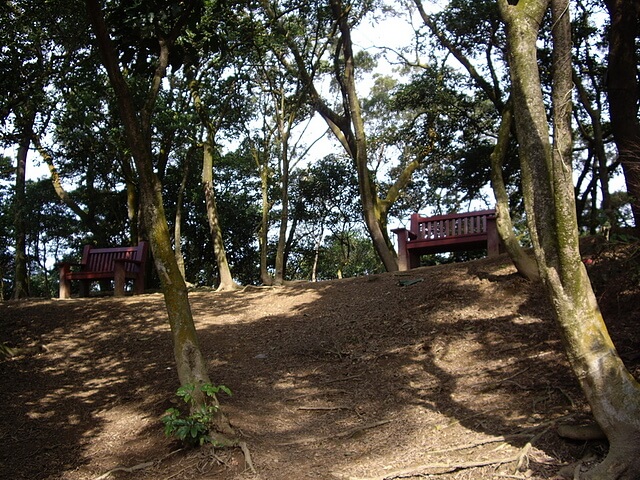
[(465, 353)]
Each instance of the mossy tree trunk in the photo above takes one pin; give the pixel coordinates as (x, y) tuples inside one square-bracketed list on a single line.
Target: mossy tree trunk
[(612, 392), (190, 363), (525, 265)]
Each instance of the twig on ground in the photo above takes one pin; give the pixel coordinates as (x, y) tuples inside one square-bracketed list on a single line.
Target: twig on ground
[(343, 379), (345, 434), (337, 407), (140, 466), (430, 469), (311, 394)]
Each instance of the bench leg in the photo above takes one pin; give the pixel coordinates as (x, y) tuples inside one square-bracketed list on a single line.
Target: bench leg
[(65, 286), (85, 287), (138, 284), (493, 243), (413, 260), (119, 280)]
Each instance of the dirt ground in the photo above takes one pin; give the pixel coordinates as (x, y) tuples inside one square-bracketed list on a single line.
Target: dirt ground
[(447, 372)]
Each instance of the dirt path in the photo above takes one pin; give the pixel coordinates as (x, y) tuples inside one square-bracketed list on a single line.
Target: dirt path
[(447, 371)]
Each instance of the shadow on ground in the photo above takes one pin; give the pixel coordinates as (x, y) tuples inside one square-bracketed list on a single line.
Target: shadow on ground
[(357, 378)]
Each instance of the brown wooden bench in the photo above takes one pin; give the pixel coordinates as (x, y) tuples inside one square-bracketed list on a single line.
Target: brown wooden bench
[(446, 233), (119, 264)]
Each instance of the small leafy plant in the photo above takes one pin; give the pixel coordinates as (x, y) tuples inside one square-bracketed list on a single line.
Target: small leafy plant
[(193, 429)]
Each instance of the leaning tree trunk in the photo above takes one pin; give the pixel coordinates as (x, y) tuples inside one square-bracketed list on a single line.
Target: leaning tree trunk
[(226, 279), (374, 216), (191, 367), (612, 392), (525, 265)]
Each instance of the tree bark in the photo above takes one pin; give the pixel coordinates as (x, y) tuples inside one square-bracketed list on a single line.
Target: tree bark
[(525, 265), (20, 283), (191, 367), (622, 87), (226, 279), (612, 392)]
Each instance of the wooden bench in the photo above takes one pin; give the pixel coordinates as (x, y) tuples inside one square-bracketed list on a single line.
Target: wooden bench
[(119, 264), (446, 233)]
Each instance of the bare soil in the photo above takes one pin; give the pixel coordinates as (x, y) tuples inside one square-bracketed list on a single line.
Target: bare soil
[(448, 372)]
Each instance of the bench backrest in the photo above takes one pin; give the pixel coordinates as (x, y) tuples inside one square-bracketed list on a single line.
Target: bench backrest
[(453, 225), (102, 259)]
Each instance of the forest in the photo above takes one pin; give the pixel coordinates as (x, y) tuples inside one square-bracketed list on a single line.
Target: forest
[(259, 143)]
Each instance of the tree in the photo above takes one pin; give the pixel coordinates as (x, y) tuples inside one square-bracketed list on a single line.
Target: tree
[(612, 392), (137, 122), (456, 30), (212, 126), (325, 205), (622, 87), (309, 35)]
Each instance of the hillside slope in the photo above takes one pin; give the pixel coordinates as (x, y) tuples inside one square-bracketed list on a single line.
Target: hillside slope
[(447, 370)]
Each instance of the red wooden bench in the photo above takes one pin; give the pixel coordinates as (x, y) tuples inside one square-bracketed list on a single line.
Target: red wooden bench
[(119, 264), (446, 233)]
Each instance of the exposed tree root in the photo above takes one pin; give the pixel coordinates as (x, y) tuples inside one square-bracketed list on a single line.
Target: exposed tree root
[(141, 466), (135, 468), (582, 433), (437, 468)]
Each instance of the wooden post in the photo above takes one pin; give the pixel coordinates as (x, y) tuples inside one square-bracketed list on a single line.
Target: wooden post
[(119, 273), (493, 239), (403, 237), (65, 283)]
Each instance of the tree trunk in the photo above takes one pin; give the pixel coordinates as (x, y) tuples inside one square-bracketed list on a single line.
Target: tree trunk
[(132, 201), (177, 228), (525, 265), (226, 279), (622, 87), (20, 283), (263, 231), (612, 392), (284, 216), (190, 364), (374, 212)]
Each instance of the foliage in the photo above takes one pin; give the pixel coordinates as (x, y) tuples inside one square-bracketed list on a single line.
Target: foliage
[(194, 429)]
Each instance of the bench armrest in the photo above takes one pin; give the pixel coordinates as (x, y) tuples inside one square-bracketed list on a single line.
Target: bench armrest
[(66, 267), (404, 232)]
